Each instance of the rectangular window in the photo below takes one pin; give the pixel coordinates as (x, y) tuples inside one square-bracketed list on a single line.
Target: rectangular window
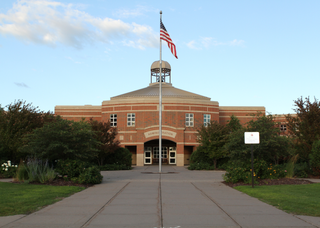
[(283, 127), (206, 119), (131, 119), (113, 120), (189, 119)]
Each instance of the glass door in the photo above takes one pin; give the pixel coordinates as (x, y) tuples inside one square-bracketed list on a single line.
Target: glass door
[(147, 155), (172, 155)]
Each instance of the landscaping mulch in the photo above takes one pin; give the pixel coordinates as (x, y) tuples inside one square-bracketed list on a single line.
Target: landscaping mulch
[(280, 181), (59, 182)]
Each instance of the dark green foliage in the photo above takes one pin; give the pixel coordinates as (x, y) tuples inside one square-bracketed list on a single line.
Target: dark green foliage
[(17, 120), (305, 127), (315, 157), (302, 170), (71, 168), (121, 156), (62, 139), (201, 166), (105, 135), (273, 148), (90, 175), (110, 167), (241, 171), (200, 156), (234, 124), (7, 169), (212, 138)]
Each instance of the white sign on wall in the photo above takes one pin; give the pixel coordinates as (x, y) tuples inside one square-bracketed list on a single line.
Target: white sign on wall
[(251, 138)]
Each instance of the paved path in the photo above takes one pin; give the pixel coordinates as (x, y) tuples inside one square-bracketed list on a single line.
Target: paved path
[(177, 198)]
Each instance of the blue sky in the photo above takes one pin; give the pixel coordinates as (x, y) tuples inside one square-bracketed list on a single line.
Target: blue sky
[(239, 53)]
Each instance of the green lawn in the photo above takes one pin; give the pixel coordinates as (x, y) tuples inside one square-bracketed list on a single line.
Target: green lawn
[(26, 198), (296, 199)]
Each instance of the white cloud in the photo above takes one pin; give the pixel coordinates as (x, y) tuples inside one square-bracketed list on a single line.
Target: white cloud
[(192, 45), (51, 23), (207, 42), (21, 85), (139, 11)]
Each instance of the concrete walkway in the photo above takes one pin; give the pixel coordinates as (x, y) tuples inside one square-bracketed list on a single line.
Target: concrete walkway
[(177, 198)]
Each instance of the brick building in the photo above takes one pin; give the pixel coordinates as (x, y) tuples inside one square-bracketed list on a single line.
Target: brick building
[(136, 115)]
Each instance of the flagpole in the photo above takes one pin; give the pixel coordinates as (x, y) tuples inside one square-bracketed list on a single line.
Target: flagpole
[(160, 105)]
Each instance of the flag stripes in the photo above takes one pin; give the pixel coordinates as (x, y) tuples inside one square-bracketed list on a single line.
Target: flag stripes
[(164, 35)]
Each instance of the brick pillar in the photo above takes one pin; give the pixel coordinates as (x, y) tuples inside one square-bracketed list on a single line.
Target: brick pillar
[(180, 154), (140, 154)]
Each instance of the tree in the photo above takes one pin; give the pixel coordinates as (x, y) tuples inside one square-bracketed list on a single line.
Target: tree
[(17, 120), (212, 138), (305, 126), (106, 135), (234, 124), (272, 147), (62, 139)]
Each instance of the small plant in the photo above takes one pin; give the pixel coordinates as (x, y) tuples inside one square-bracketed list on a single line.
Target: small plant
[(90, 175), (315, 157), (69, 169), (290, 166), (8, 169), (35, 170)]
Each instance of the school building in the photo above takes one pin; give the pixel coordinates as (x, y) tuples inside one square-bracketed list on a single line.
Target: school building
[(136, 115)]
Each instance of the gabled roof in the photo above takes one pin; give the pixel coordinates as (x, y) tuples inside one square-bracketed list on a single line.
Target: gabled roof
[(168, 91)]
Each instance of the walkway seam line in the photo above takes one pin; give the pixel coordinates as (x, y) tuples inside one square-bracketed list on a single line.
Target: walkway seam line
[(307, 221), (106, 204), (216, 204), (160, 203)]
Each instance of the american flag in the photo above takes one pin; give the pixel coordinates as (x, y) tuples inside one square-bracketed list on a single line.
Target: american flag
[(164, 35)]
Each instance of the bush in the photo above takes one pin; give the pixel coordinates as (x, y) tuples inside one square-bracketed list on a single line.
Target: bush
[(8, 170), (121, 156), (199, 156), (290, 166), (37, 170), (201, 166), (315, 158), (71, 168), (302, 170), (90, 175), (114, 167), (239, 171)]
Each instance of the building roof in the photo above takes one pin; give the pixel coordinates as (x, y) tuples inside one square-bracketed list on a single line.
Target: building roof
[(168, 91)]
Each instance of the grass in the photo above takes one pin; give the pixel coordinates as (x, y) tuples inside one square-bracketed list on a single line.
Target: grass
[(26, 198), (296, 199)]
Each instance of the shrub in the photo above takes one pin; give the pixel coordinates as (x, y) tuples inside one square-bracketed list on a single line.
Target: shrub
[(199, 156), (201, 166), (71, 168), (90, 175), (302, 170), (120, 156), (8, 170), (315, 157), (22, 173), (290, 166), (241, 171), (38, 171)]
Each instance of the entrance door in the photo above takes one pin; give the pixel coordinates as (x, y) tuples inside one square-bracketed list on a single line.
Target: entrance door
[(172, 155), (147, 155), (164, 153)]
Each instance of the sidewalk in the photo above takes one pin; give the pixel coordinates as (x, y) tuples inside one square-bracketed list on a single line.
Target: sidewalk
[(176, 198)]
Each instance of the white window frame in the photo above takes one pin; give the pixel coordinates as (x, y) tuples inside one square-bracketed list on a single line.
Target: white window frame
[(113, 120), (206, 119), (131, 119), (189, 120)]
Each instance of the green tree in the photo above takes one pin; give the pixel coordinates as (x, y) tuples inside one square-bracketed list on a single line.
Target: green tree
[(17, 120), (272, 147), (305, 126), (106, 135), (212, 138), (62, 139), (234, 124)]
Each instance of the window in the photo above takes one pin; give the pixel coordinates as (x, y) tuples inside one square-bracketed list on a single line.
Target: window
[(283, 127), (189, 119), (206, 119), (131, 119), (113, 120)]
